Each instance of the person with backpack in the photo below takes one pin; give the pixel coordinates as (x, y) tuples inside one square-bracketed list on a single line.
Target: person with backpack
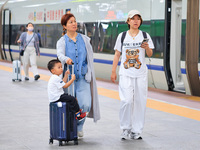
[(133, 75)]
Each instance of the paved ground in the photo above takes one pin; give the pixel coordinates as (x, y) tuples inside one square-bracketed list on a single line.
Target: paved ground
[(24, 123)]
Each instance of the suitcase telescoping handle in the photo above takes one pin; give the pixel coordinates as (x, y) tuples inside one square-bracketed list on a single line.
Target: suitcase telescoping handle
[(19, 51), (68, 89)]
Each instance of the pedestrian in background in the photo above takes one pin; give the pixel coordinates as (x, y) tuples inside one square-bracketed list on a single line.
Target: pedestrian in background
[(39, 37), (30, 48), (21, 30)]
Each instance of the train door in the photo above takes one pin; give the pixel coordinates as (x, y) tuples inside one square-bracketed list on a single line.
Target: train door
[(175, 45)]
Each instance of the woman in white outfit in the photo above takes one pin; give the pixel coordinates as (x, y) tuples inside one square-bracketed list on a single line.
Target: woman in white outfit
[(133, 75), (30, 44)]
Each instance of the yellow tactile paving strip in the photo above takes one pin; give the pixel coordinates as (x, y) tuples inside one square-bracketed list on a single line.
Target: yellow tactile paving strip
[(192, 98), (162, 106), (154, 104), (42, 76)]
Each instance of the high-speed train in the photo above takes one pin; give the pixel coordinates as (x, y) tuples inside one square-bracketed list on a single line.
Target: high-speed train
[(102, 21)]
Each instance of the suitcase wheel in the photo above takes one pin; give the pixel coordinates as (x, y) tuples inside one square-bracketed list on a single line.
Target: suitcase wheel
[(50, 141), (20, 80), (60, 143), (76, 142), (13, 80)]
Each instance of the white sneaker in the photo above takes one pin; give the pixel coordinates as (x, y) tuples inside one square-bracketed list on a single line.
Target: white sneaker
[(125, 134), (80, 134), (135, 136)]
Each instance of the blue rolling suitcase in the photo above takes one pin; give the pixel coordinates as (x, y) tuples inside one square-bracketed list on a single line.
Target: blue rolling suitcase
[(63, 123)]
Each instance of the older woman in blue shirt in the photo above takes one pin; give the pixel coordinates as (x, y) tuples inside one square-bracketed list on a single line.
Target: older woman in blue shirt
[(75, 47)]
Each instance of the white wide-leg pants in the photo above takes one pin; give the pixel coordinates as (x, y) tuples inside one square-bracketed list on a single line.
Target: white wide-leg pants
[(133, 95), (30, 54)]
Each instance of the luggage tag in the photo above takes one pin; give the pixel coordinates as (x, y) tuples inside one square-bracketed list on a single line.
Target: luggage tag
[(59, 104)]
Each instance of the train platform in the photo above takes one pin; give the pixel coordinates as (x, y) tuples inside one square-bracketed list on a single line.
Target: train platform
[(172, 119)]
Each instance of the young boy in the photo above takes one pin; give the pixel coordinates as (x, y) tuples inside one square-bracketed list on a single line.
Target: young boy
[(56, 85)]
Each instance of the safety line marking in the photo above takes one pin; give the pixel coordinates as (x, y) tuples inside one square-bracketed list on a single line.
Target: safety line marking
[(154, 104), (158, 105)]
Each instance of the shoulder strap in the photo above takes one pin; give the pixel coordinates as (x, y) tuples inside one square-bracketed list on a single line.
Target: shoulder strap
[(144, 34), (122, 38), (124, 34), (30, 40)]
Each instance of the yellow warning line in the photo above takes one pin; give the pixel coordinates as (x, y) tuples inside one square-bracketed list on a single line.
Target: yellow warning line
[(108, 93), (42, 76), (174, 109), (154, 104), (194, 98)]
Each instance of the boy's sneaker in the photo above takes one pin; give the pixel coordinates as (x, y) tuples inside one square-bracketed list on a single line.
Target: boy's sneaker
[(135, 136), (125, 134), (81, 116)]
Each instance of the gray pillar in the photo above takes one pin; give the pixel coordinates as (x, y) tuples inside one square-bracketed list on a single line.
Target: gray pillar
[(192, 46)]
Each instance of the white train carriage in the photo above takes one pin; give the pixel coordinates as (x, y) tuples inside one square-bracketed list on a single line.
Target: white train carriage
[(102, 21)]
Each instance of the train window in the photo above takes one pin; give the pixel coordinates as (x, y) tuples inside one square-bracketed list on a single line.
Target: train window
[(90, 31), (183, 49), (17, 30), (110, 35), (81, 27), (155, 28), (6, 36), (50, 35), (103, 34)]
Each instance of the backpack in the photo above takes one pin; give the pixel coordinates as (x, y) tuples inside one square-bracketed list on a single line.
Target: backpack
[(124, 34)]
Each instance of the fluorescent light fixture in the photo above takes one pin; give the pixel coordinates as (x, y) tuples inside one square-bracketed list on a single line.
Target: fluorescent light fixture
[(14, 1), (36, 5), (77, 1), (52, 3)]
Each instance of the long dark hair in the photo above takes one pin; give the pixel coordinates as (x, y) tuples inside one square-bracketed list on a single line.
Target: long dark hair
[(64, 21)]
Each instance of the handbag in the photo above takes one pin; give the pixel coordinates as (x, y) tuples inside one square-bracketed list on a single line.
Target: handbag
[(22, 50)]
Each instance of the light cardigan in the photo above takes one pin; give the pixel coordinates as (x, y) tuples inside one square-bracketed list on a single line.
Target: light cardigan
[(24, 43), (90, 75)]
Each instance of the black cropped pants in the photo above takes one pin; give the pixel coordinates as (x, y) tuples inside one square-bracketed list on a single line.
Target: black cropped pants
[(71, 100)]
